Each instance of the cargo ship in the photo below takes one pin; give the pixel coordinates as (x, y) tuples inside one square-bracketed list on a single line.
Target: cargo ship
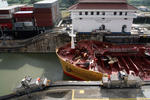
[(29, 20), (92, 60)]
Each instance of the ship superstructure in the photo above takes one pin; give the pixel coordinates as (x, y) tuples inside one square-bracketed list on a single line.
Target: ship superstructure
[(3, 3), (41, 16)]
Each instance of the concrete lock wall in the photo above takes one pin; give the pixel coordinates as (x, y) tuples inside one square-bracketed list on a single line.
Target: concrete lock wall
[(48, 42), (44, 43)]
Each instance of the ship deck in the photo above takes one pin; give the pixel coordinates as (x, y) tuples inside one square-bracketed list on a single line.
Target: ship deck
[(109, 58)]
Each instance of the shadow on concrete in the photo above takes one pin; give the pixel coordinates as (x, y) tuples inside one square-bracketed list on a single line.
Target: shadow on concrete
[(122, 93)]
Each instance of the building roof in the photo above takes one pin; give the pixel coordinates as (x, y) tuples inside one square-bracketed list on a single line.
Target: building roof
[(46, 2), (24, 12), (114, 6), (102, 1)]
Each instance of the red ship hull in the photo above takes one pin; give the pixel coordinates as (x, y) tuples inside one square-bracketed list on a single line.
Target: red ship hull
[(93, 59)]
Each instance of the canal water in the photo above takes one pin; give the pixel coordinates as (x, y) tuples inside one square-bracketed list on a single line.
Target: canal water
[(14, 66)]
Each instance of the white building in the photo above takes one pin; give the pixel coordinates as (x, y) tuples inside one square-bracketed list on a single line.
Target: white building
[(115, 16), (3, 3)]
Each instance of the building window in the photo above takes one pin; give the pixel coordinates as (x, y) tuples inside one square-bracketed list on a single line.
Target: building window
[(86, 13), (115, 13), (80, 13), (120, 13), (124, 28), (126, 13), (102, 27), (92, 13), (97, 13), (103, 13), (80, 18)]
